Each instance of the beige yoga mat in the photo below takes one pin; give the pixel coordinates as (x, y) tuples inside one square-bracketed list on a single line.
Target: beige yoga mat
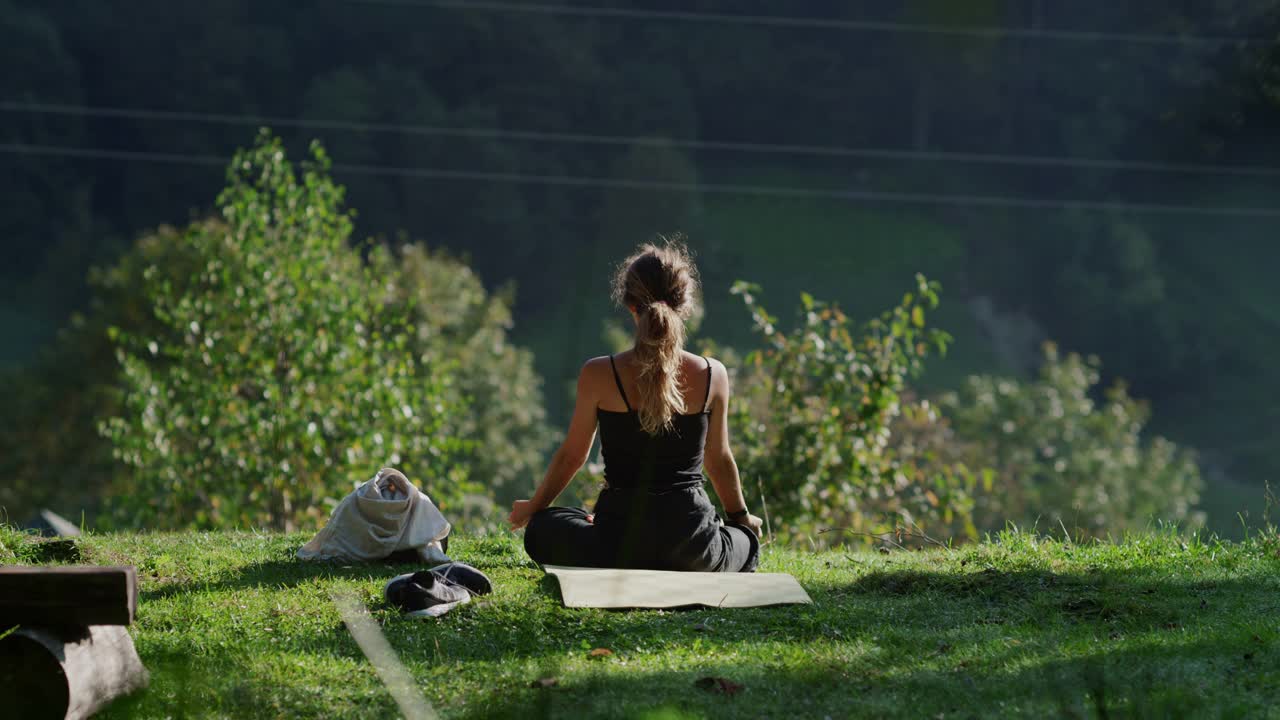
[(607, 588)]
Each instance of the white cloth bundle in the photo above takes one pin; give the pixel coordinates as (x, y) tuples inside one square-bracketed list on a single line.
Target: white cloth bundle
[(381, 516)]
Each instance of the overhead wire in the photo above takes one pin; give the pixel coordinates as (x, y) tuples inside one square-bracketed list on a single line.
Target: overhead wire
[(913, 198), (787, 21), (535, 136)]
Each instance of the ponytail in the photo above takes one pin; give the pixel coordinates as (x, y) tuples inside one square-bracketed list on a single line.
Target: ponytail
[(659, 340), (660, 284)]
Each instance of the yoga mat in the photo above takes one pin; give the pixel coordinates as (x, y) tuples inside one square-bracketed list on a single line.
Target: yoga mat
[(609, 588)]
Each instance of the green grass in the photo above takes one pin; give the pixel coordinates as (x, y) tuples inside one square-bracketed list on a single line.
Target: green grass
[(231, 625)]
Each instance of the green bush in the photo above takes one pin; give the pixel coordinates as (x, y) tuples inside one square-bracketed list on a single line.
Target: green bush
[(814, 419), (1063, 458), (282, 372)]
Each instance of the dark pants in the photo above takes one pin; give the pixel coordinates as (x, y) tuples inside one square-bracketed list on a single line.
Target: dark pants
[(635, 528)]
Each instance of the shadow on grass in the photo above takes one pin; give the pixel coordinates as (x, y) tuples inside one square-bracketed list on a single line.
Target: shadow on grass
[(1098, 685), (286, 570), (288, 573), (1129, 599), (1127, 684), (549, 588)]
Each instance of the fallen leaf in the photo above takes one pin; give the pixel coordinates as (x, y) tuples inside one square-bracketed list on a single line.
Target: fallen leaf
[(600, 652), (718, 685), (544, 682)]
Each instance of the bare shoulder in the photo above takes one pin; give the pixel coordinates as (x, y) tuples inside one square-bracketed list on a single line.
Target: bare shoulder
[(719, 374), (593, 367), (690, 358), (717, 368), (592, 379)]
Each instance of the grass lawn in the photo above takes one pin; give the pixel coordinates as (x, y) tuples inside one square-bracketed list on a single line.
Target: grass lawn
[(231, 625)]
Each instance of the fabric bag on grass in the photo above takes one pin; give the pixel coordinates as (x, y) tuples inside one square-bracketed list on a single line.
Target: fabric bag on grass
[(385, 515)]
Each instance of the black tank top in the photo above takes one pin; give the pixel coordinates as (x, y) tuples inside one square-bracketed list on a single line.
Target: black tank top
[(669, 460)]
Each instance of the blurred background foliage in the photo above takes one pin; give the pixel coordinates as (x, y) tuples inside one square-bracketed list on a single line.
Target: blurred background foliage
[(1064, 455), (530, 150)]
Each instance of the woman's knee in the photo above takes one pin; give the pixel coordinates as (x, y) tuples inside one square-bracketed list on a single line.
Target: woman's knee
[(563, 536), (741, 549), (535, 535), (552, 532)]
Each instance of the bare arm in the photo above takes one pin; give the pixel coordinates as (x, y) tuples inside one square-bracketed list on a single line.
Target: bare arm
[(718, 459), (568, 459)]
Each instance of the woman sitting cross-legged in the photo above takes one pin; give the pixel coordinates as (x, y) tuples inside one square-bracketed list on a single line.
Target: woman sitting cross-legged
[(663, 417)]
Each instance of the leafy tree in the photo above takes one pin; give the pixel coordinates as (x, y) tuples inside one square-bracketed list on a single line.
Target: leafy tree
[(282, 372), (1065, 459)]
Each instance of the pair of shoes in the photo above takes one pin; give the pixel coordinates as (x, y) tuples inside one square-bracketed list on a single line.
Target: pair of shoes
[(434, 592), (460, 573)]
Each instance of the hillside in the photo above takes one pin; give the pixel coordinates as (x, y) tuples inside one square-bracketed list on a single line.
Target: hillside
[(231, 625)]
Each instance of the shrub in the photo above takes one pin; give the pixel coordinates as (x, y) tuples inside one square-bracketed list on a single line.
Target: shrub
[(1065, 459), (282, 371), (814, 419)]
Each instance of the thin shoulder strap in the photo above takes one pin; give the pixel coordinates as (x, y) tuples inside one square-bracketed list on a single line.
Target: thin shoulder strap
[(706, 400), (618, 380)]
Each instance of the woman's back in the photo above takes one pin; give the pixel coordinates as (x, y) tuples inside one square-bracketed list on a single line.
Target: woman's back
[(672, 458)]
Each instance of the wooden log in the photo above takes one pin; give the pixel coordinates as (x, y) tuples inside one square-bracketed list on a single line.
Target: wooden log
[(67, 673), (67, 596)]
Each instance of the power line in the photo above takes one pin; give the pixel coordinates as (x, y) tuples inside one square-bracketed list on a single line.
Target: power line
[(909, 198), (1015, 160), (783, 21)]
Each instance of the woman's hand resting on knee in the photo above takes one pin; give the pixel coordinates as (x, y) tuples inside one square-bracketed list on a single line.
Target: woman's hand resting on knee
[(753, 523), (521, 511)]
